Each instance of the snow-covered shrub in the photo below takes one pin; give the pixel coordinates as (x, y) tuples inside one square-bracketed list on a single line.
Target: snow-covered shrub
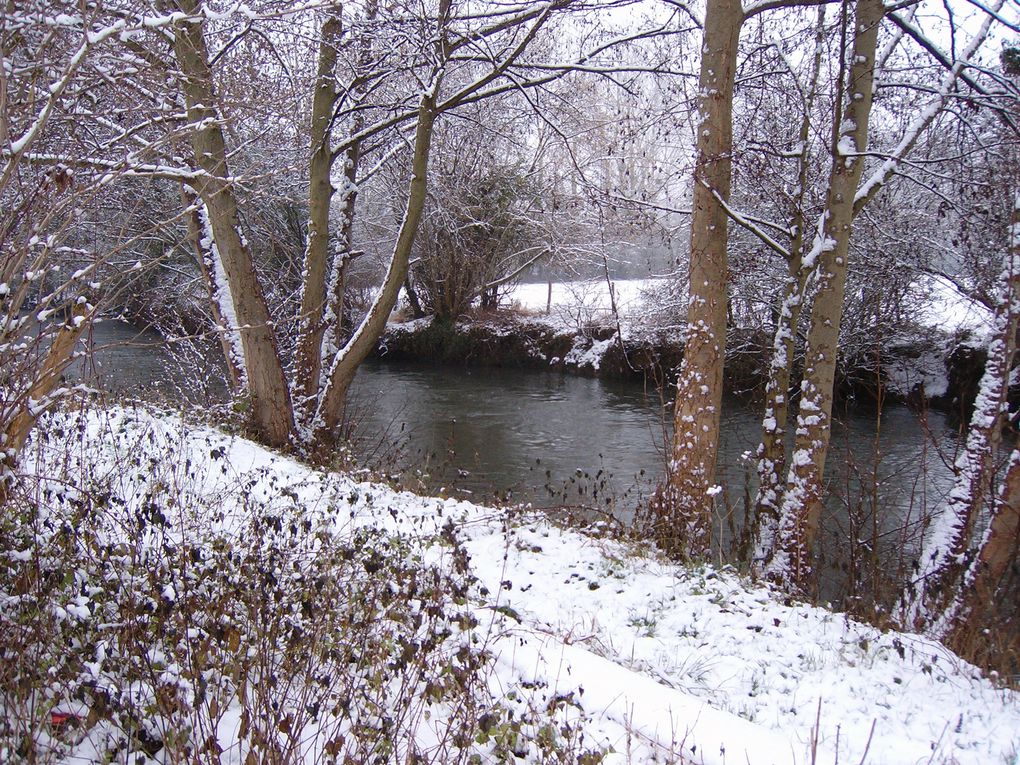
[(169, 594), (137, 620)]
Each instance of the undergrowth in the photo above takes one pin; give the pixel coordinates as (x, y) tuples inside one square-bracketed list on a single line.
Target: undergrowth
[(159, 610)]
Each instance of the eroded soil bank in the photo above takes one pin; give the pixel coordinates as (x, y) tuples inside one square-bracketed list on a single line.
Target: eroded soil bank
[(944, 377)]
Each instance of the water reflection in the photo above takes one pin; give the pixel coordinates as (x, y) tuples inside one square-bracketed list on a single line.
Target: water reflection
[(525, 432)]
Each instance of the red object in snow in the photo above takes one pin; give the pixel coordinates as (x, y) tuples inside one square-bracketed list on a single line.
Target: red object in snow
[(61, 720)]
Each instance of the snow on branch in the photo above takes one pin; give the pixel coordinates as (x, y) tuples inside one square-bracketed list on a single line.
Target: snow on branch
[(867, 190), (748, 224)]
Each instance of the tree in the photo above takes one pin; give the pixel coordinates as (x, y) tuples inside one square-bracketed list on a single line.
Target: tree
[(961, 571), (785, 540), (490, 215), (52, 68), (801, 511), (771, 452), (323, 379), (686, 500), (960, 576)]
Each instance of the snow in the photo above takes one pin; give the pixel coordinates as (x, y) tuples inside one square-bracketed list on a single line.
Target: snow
[(946, 308), (588, 354), (649, 658), (942, 307), (846, 146), (221, 284), (593, 295)]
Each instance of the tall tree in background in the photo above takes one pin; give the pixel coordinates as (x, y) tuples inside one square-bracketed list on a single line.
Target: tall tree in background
[(221, 218)]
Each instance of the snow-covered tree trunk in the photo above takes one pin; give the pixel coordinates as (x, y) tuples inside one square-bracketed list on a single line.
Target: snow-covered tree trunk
[(311, 325), (341, 371), (687, 498), (350, 157), (999, 550), (336, 285), (220, 304), (947, 557), (791, 561), (771, 452), (270, 396)]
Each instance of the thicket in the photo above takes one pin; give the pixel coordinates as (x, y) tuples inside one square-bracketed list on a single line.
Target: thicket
[(160, 609)]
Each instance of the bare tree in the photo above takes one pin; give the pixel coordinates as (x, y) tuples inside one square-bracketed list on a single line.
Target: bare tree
[(51, 69), (450, 57), (960, 575), (686, 500)]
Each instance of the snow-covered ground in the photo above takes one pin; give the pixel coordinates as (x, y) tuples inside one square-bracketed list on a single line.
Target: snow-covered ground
[(590, 295), (946, 315), (942, 305), (649, 660)]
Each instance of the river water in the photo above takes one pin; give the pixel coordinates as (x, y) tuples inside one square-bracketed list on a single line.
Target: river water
[(551, 440)]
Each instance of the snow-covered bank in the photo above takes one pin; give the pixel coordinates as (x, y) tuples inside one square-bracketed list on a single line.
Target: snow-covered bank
[(941, 304), (936, 356), (620, 652)]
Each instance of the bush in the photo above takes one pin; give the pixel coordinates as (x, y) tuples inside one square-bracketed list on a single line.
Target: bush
[(137, 622)]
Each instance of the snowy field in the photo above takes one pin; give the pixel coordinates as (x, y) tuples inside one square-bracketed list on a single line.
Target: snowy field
[(946, 308), (943, 306), (593, 294), (650, 661)]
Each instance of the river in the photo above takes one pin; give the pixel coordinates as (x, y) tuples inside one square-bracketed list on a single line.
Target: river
[(551, 440)]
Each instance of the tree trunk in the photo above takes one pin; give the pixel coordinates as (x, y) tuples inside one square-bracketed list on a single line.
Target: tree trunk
[(952, 575), (771, 451), (687, 499), (307, 362), (206, 257), (37, 398), (336, 288), (345, 364), (977, 600), (270, 397), (802, 504)]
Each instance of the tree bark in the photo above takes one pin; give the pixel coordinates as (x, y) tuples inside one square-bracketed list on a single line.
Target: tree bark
[(771, 452), (792, 562), (308, 358), (687, 501), (345, 364), (270, 398), (953, 576), (204, 258)]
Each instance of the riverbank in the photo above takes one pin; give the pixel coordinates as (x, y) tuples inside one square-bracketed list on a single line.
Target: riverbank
[(938, 371), (377, 622)]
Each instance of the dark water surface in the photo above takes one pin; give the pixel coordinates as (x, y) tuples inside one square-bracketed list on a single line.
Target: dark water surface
[(488, 430)]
